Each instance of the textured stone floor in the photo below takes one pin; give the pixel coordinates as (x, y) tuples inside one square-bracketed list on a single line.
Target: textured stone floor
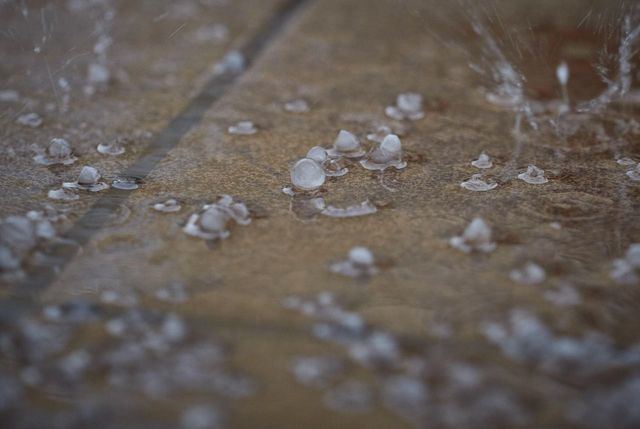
[(349, 59)]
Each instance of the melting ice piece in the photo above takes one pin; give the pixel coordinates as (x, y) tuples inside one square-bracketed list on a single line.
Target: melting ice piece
[(58, 152), (19, 235), (476, 237), (387, 154), (114, 147), (32, 120), (635, 173), (530, 274), (408, 106), (625, 270), (477, 184), (332, 166), (168, 206), (347, 145), (243, 128), (362, 209), (625, 161), (533, 176), (483, 161), (359, 263), (63, 194), (307, 175), (297, 106), (211, 222), (88, 180), (125, 184)]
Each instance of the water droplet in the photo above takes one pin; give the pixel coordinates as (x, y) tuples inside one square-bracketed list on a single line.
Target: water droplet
[(530, 274), (483, 161), (476, 237), (408, 106), (307, 175), (533, 175), (243, 128), (476, 184)]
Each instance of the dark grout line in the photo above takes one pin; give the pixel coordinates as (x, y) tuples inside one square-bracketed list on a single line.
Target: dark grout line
[(97, 217)]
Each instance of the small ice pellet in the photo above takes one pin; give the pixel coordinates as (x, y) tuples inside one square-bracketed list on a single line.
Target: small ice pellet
[(63, 194), (530, 274), (483, 161), (387, 154), (476, 237), (213, 219), (169, 206), (634, 174), (533, 176), (59, 148), (408, 106), (361, 256), (32, 120), (114, 147), (346, 142), (318, 154), (297, 106), (307, 175), (243, 128), (88, 176)]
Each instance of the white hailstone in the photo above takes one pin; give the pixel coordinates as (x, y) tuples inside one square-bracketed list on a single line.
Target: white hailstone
[(387, 154), (114, 147), (88, 179), (58, 152), (297, 106), (98, 74), (211, 222), (476, 237), (533, 175), (362, 209), (476, 184), (359, 263), (318, 154), (307, 175), (233, 62), (63, 194), (169, 206), (347, 145), (530, 274), (625, 161), (483, 161), (32, 120), (408, 106), (562, 73), (634, 174), (243, 128), (380, 133)]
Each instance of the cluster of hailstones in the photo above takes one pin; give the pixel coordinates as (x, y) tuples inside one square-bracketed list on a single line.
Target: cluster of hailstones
[(310, 172)]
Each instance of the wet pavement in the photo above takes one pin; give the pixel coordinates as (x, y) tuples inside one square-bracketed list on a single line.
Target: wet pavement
[(433, 337)]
